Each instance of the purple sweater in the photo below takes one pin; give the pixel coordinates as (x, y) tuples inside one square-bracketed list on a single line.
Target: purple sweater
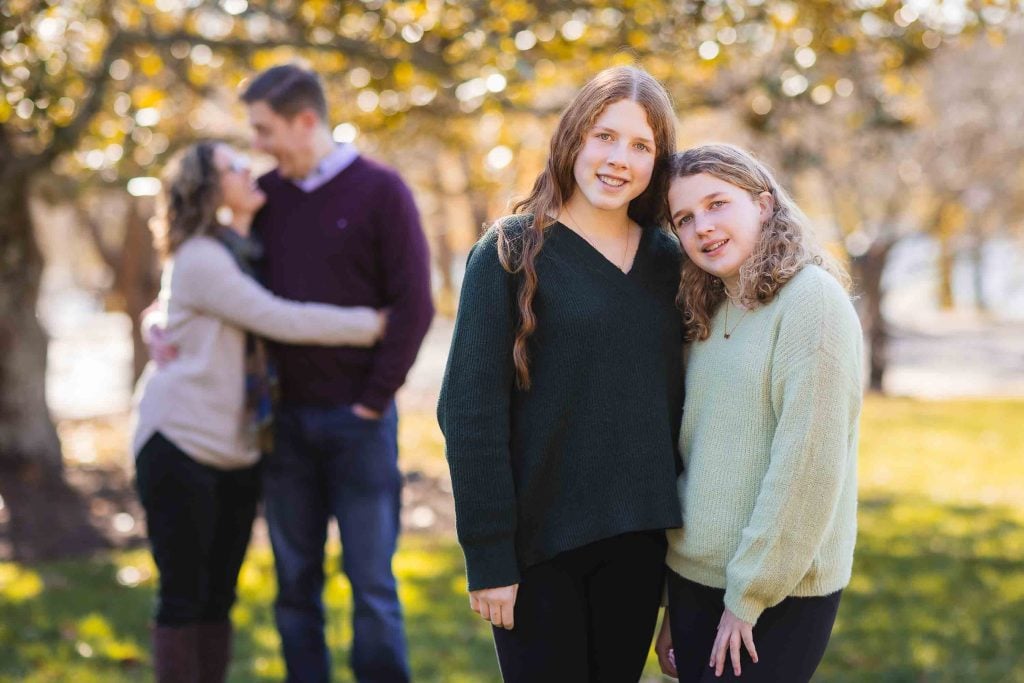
[(355, 241)]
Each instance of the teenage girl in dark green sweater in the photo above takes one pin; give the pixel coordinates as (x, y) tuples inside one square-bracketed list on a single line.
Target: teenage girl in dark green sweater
[(561, 399)]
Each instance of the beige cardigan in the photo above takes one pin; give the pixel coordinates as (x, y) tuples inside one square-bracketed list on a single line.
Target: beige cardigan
[(207, 303)]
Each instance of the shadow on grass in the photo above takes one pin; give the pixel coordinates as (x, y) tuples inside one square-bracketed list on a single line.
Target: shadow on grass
[(937, 596), (79, 621)]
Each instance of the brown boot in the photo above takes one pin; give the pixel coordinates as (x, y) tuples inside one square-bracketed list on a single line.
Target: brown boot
[(175, 657), (214, 647)]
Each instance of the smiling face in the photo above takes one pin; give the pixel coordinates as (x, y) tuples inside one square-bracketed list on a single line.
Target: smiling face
[(288, 139), (238, 191), (718, 223), (615, 163)]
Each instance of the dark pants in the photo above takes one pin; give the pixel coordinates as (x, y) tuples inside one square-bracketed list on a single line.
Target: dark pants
[(199, 519), (790, 637), (587, 614), (327, 462)]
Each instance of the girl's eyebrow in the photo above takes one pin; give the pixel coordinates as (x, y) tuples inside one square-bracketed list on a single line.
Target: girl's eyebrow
[(704, 199), (606, 129)]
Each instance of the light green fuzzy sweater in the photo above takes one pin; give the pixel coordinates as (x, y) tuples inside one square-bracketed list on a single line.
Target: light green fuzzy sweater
[(769, 447)]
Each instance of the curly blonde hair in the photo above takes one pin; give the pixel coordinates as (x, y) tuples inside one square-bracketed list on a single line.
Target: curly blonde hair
[(786, 243), (188, 199)]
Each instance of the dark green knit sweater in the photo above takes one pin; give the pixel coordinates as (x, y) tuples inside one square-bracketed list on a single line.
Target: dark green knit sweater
[(588, 452)]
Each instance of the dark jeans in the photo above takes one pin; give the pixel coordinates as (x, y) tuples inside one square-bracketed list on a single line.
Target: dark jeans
[(327, 462), (790, 637), (199, 519), (587, 614)]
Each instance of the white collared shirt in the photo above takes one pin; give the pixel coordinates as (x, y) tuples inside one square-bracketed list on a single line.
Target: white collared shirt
[(340, 158)]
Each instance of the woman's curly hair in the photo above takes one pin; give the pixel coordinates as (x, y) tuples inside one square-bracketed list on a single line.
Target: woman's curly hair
[(785, 246), (188, 199)]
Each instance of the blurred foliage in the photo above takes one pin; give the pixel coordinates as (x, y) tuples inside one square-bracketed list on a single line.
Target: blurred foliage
[(937, 593), (120, 82)]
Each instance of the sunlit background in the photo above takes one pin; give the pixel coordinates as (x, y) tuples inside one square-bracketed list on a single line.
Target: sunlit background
[(896, 124)]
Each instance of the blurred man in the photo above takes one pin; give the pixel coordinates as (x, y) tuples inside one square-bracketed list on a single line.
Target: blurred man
[(337, 228)]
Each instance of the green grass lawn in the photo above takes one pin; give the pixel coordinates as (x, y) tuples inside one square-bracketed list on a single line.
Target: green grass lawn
[(937, 594)]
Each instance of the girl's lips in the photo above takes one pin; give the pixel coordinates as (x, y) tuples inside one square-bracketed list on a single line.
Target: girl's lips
[(611, 182), (714, 248)]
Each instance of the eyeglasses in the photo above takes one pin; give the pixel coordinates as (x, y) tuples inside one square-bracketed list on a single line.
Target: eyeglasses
[(238, 164)]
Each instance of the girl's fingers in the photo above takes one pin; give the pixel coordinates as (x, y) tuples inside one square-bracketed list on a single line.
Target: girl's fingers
[(748, 639), (507, 618), (720, 654), (496, 620), (734, 650), (474, 603), (498, 614), (485, 610)]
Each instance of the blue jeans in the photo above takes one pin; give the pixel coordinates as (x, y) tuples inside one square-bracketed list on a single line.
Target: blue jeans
[(329, 462)]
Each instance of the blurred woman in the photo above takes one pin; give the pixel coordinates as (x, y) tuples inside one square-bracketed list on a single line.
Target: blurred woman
[(561, 397), (769, 431), (201, 420)]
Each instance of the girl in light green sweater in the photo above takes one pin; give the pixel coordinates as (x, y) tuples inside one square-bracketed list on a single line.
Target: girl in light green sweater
[(769, 431)]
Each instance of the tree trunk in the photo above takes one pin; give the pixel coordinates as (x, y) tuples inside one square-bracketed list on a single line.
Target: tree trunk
[(947, 258), (47, 518), (443, 219), (134, 266), (867, 271), (137, 276), (950, 221), (978, 266)]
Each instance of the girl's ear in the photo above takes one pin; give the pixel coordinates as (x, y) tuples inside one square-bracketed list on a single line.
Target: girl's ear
[(767, 203)]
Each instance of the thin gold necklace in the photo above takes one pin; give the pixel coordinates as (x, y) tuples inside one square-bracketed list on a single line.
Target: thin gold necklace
[(583, 233), (725, 331)]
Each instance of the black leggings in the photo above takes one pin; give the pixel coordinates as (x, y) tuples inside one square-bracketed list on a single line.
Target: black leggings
[(587, 614), (790, 637), (199, 519)]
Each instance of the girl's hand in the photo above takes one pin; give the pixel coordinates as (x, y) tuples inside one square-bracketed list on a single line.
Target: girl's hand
[(496, 605), (731, 632), (663, 648)]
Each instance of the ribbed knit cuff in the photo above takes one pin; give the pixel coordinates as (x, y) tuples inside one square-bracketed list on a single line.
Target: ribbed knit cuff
[(744, 607), (491, 565)]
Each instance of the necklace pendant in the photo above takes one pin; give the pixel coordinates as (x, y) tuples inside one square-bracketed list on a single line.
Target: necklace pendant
[(727, 335)]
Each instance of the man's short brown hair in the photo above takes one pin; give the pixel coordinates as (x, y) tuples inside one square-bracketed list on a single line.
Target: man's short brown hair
[(288, 89)]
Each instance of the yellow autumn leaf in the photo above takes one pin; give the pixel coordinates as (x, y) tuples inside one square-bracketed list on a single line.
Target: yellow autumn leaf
[(151, 65)]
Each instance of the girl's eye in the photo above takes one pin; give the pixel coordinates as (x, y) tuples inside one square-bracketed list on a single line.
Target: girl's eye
[(604, 136), (684, 220), (642, 147), (717, 203)]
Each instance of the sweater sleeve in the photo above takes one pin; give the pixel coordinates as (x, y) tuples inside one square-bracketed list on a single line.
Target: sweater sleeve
[(816, 396), (474, 415), (209, 280), (405, 261)]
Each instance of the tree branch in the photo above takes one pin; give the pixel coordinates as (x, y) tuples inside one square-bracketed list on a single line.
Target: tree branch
[(109, 256), (428, 61), (66, 138)]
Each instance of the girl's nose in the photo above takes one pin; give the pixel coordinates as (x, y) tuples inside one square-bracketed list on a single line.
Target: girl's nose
[(617, 155)]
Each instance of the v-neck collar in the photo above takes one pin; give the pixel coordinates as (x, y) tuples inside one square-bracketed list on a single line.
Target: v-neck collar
[(599, 261)]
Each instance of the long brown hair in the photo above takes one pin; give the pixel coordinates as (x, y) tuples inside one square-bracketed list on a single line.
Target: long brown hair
[(786, 243), (519, 241), (188, 199)]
